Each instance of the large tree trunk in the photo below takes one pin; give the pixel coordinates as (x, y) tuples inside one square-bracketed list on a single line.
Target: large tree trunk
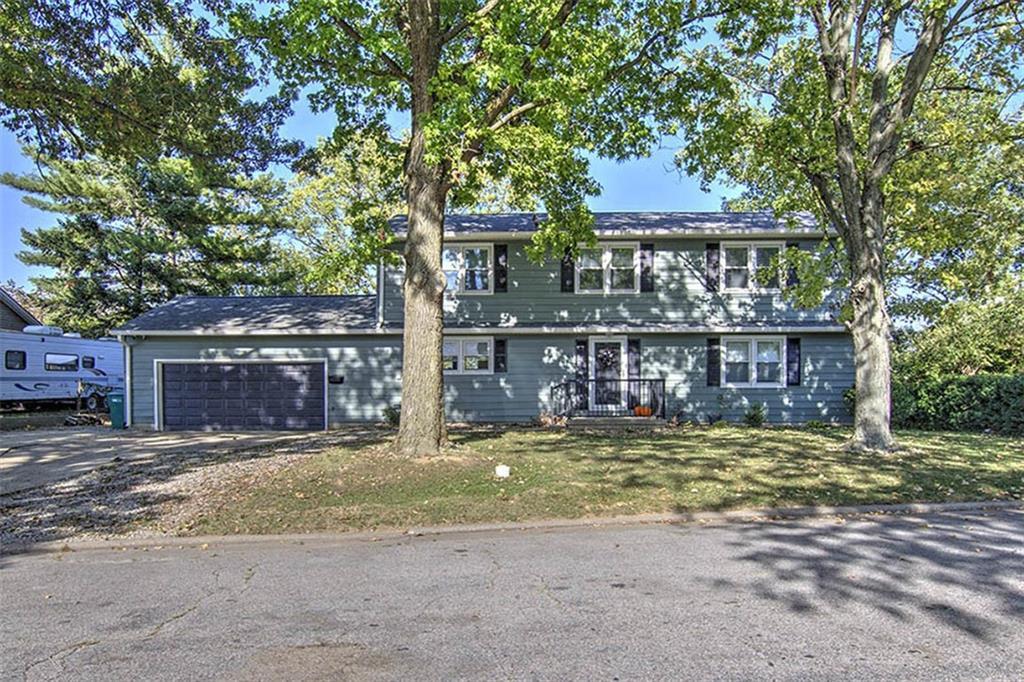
[(870, 326), (422, 427)]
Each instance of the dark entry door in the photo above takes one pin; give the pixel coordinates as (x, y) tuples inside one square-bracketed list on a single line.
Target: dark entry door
[(243, 396), (608, 373)]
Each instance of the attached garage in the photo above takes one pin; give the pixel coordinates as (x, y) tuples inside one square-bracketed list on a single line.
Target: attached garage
[(233, 395)]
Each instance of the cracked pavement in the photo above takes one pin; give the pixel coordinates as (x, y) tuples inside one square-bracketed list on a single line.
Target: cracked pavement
[(937, 596)]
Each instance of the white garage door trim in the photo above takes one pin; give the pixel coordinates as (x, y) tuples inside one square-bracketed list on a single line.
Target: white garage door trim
[(158, 377)]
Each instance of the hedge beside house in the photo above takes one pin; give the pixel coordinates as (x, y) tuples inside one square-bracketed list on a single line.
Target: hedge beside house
[(983, 402)]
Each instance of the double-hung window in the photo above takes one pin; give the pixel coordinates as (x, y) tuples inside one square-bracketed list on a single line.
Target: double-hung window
[(608, 269), (749, 267), (468, 269), (469, 355), (753, 362)]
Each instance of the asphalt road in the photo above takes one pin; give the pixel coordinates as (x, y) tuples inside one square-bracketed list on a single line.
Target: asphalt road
[(931, 598)]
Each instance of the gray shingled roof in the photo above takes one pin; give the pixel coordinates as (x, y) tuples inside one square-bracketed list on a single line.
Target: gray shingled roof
[(672, 222), (19, 310), (283, 313)]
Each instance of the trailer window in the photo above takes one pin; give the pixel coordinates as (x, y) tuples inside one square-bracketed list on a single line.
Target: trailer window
[(88, 362), (14, 359), (60, 362)]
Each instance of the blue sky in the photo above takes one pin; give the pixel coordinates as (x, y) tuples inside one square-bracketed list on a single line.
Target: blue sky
[(650, 184)]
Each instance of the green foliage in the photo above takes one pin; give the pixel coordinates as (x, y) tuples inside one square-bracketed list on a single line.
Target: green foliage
[(966, 338), (393, 415), (134, 78), (983, 402), (132, 236), (755, 415), (337, 207), (850, 400), (986, 402), (953, 198), (522, 93), (955, 202)]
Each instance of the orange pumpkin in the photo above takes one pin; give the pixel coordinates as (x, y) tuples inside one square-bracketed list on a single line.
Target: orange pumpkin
[(643, 411)]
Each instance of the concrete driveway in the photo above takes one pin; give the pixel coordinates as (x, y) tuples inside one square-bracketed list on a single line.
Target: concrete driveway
[(33, 458), (935, 597)]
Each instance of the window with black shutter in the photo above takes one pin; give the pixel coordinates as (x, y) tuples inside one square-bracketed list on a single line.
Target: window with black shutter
[(646, 267), (501, 267), (568, 272), (712, 257), (793, 363), (792, 278), (714, 362), (500, 355)]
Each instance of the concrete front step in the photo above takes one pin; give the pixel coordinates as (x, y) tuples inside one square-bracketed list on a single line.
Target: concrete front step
[(614, 422)]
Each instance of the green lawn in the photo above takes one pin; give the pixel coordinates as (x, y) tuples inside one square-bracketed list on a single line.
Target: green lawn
[(565, 474)]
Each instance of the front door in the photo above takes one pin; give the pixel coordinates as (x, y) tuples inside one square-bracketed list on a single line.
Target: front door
[(608, 360)]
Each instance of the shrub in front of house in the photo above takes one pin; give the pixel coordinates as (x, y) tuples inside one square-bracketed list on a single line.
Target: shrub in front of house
[(755, 415), (393, 415), (983, 402)]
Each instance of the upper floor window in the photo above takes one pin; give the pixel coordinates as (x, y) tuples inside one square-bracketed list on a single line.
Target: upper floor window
[(744, 264), (471, 355), (14, 359), (60, 362), (468, 268), (607, 268), (753, 362)]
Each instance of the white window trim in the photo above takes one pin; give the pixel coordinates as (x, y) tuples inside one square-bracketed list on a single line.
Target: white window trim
[(752, 371), (461, 367), (460, 249), (753, 286), (606, 268)]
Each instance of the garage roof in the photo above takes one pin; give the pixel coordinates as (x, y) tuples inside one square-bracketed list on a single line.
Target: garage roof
[(682, 223), (227, 314)]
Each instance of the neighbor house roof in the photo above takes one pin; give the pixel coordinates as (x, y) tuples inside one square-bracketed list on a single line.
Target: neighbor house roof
[(240, 314), (682, 223), (7, 299)]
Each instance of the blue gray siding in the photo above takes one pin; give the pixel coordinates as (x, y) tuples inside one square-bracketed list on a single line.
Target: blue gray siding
[(534, 296), (371, 366), (827, 370)]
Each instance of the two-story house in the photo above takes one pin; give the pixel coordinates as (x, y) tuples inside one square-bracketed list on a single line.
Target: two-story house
[(669, 314)]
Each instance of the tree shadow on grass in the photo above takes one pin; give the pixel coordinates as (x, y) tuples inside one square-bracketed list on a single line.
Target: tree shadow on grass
[(117, 497), (960, 571), (722, 468)]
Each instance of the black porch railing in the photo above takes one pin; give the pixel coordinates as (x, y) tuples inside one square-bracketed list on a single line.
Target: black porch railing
[(609, 398)]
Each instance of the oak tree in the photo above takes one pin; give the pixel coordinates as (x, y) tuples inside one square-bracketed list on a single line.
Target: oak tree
[(519, 91), (822, 116), (135, 78)]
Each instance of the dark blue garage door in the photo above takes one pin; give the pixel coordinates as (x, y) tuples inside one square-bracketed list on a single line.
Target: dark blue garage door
[(243, 396)]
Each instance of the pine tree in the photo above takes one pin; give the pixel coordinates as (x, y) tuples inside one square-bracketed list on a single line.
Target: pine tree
[(132, 236)]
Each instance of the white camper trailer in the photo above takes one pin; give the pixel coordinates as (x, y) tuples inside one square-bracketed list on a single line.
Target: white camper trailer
[(43, 364)]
